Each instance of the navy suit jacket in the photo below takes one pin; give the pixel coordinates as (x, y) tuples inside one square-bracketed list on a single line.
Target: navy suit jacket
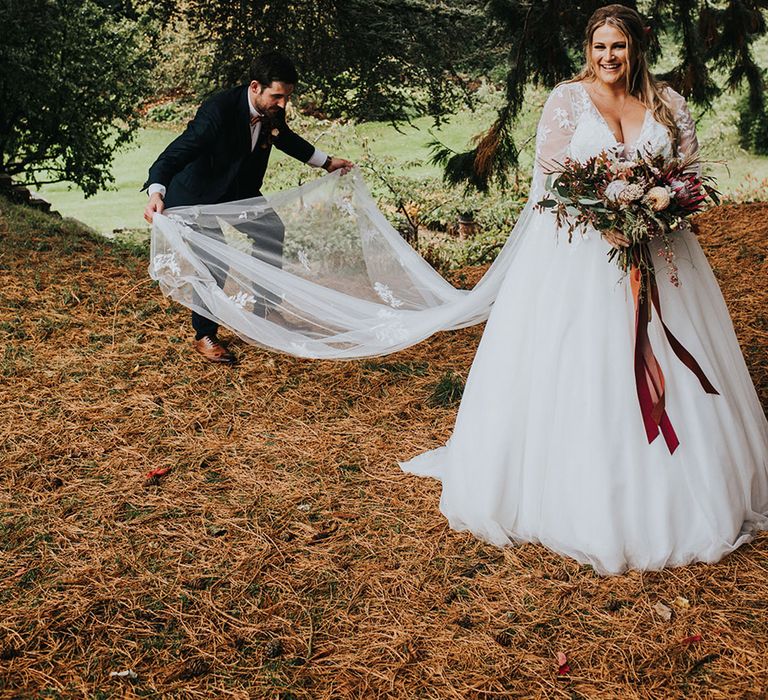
[(212, 161)]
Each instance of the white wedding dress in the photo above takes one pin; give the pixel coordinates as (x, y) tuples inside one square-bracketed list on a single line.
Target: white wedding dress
[(549, 444)]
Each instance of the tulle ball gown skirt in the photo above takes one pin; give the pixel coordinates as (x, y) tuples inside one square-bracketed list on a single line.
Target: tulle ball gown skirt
[(549, 444)]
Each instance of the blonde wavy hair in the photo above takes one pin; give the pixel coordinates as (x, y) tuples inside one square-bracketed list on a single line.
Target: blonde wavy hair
[(639, 81)]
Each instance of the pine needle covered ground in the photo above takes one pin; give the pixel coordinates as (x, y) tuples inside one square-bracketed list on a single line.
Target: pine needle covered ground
[(283, 554)]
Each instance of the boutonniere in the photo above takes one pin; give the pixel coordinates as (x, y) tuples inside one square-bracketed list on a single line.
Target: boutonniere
[(268, 135), (271, 128)]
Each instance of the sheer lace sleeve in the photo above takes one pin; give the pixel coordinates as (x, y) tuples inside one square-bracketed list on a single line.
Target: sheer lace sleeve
[(688, 144), (553, 136)]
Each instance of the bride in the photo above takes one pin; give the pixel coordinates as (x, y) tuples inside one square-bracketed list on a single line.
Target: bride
[(549, 444)]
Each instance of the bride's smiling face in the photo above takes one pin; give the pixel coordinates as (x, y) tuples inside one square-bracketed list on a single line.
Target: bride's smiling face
[(609, 54)]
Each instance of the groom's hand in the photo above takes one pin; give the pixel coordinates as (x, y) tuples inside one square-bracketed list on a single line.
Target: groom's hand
[(155, 205), (339, 164)]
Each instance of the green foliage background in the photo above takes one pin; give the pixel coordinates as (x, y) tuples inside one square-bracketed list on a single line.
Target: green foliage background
[(72, 77), (360, 59)]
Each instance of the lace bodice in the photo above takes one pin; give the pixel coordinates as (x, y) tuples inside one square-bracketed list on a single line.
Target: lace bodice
[(572, 127)]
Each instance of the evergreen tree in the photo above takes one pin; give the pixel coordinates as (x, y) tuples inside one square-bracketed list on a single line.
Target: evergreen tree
[(392, 59), (544, 46), (366, 59)]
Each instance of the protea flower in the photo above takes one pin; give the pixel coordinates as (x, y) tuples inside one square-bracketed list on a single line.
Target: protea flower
[(688, 192), (631, 193)]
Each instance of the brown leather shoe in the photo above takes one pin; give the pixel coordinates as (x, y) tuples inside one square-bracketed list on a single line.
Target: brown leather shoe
[(213, 350)]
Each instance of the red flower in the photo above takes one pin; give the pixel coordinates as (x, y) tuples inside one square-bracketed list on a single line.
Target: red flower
[(689, 193)]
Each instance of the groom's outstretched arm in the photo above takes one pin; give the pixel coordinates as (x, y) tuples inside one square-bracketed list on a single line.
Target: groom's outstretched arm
[(198, 137), (291, 143)]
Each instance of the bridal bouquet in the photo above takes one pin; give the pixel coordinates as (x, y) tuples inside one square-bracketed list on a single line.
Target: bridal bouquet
[(645, 199)]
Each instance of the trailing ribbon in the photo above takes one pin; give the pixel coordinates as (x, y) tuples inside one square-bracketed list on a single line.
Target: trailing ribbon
[(649, 378)]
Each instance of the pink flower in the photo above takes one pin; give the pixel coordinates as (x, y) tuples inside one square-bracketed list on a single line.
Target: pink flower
[(614, 190), (622, 169), (688, 192)]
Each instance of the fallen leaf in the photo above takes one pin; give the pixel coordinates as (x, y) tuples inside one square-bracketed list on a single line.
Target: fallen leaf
[(321, 654), (187, 670), (682, 603), (691, 640), (157, 473), (344, 516), (563, 669), (663, 611)]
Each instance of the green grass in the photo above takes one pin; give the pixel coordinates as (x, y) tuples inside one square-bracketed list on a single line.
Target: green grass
[(405, 148), (447, 391), (123, 206)]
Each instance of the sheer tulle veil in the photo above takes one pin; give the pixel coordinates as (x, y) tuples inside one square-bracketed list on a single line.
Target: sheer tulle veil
[(315, 272)]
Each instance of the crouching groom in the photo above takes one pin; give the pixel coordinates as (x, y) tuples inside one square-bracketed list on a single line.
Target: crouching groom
[(223, 154)]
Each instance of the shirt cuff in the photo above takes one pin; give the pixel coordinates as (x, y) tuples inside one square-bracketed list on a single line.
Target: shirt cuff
[(155, 187), (318, 159)]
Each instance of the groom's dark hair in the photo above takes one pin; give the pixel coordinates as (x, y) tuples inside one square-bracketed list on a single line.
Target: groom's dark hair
[(273, 66)]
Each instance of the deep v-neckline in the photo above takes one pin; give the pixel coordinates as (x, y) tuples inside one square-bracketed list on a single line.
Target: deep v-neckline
[(599, 114)]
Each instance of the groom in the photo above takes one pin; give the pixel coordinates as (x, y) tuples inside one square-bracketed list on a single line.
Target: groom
[(222, 156)]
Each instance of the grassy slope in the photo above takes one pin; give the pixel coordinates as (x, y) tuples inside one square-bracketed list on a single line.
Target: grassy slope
[(121, 207)]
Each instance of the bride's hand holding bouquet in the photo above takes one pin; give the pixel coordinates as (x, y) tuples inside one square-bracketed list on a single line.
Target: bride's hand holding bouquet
[(632, 202)]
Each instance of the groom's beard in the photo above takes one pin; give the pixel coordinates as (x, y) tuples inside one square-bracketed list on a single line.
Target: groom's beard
[(276, 116), (274, 113)]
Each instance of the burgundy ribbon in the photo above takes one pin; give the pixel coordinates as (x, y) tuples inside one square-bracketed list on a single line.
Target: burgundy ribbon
[(649, 379)]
